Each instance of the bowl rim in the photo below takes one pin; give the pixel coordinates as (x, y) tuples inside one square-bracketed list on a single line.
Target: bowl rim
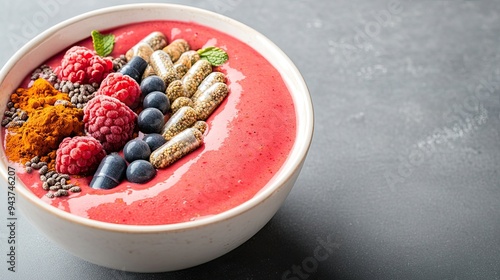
[(298, 152)]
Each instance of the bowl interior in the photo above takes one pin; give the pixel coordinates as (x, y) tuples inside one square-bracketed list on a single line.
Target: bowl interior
[(59, 37)]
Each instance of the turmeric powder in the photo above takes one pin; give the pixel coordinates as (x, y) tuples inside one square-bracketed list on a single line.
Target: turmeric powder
[(47, 124)]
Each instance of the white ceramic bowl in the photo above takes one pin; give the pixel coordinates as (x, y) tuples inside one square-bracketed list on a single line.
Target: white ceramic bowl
[(159, 247)]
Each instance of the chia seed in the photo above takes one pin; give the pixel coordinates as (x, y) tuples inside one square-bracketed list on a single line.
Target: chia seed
[(43, 170), (51, 181), (61, 192)]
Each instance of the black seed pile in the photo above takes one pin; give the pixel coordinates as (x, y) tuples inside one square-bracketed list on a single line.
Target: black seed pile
[(46, 73), (13, 116), (56, 183), (119, 62), (79, 94)]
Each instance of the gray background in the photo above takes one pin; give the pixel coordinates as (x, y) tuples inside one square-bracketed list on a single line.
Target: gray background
[(402, 178)]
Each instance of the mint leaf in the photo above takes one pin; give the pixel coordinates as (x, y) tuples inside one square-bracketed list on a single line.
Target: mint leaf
[(103, 43), (214, 55)]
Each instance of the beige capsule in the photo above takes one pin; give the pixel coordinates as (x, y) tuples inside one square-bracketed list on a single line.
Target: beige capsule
[(141, 49), (149, 71), (176, 48), (156, 40), (202, 126), (145, 47), (212, 78), (179, 146), (195, 75), (184, 117), (185, 61), (163, 66), (181, 102), (175, 90), (209, 100)]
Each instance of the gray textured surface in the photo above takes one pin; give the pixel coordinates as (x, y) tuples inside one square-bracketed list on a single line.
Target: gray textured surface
[(403, 175)]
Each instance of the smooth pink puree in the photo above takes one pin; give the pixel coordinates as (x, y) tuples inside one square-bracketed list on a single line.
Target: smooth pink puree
[(250, 135)]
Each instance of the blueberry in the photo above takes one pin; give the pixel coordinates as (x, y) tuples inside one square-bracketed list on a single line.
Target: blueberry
[(152, 83), (135, 68), (150, 120), (158, 100), (154, 140), (110, 172), (140, 171), (136, 149)]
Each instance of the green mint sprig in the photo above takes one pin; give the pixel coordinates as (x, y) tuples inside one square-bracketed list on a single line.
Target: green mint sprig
[(103, 43), (214, 55)]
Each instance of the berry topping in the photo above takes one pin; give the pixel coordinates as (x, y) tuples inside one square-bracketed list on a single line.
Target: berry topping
[(135, 68), (140, 171), (154, 140), (110, 121), (79, 155), (121, 87), (152, 83), (136, 149), (158, 100), (82, 65), (150, 120)]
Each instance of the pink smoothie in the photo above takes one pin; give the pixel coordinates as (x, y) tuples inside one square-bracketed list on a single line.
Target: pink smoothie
[(250, 135)]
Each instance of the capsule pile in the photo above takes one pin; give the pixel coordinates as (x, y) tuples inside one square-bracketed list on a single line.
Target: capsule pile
[(192, 89)]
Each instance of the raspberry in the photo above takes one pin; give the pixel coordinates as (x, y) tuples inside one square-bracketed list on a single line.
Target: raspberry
[(110, 121), (121, 87), (82, 65), (79, 155)]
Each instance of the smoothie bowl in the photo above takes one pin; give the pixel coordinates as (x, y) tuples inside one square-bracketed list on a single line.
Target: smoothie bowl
[(234, 134)]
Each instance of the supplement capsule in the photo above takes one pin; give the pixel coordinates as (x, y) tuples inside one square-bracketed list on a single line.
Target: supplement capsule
[(156, 40), (184, 117), (212, 78), (163, 66), (145, 47), (175, 90), (176, 48), (182, 144), (181, 102), (110, 173), (195, 75), (185, 61), (140, 49), (210, 99), (202, 126), (148, 72)]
